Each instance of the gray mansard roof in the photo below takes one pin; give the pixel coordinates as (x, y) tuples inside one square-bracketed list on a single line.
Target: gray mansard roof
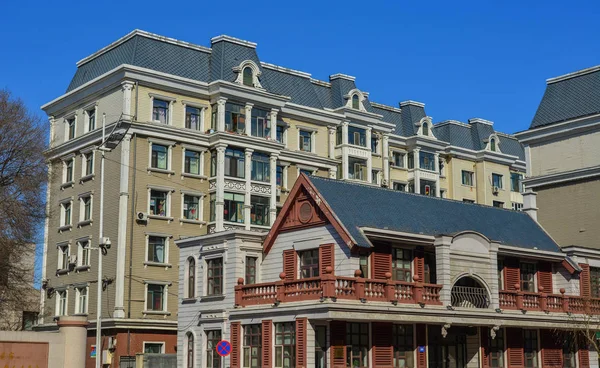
[(146, 50)]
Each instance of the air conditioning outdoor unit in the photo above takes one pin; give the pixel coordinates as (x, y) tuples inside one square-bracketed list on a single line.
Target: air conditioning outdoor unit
[(279, 191), (142, 216)]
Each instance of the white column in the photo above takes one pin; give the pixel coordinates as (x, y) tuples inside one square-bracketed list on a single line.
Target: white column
[(220, 195), (331, 130), (442, 264), (248, 118), (385, 153), (273, 201), (369, 157), (221, 116), (202, 119), (127, 86), (274, 125), (344, 150), (247, 205), (416, 170), (436, 159), (284, 178)]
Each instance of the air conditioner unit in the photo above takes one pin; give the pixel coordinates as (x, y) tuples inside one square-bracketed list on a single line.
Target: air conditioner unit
[(495, 189), (142, 216), (73, 260), (112, 343), (279, 191)]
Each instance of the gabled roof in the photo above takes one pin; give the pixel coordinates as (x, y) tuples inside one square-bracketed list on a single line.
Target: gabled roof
[(357, 205), (568, 97)]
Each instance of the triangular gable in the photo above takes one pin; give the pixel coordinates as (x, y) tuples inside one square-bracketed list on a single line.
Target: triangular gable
[(305, 207)]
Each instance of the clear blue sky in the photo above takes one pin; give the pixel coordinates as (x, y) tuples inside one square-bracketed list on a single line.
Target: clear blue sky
[(463, 59)]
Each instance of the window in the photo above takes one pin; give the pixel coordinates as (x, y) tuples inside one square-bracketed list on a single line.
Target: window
[(498, 204), (428, 188), (306, 172), (71, 128), (515, 182), (160, 111), (398, 159), (233, 210), (320, 346), (427, 161), (528, 271), (212, 207), (400, 186), (530, 348), (305, 141), (86, 205), (29, 319), (493, 145), (411, 160), (279, 176), (279, 133), (66, 213), (248, 77), (355, 102), (251, 270), (81, 303), (189, 342), (401, 262), (83, 253), (357, 169), (154, 347), (160, 157), (442, 167), (497, 180), (467, 178), (260, 167), (364, 265), (214, 276), (500, 265), (259, 212), (357, 136), (191, 163), (309, 263), (213, 360), (425, 129), (91, 116), (69, 170), (252, 346), (285, 345), (402, 340), (191, 207), (159, 202), (63, 257), (260, 123), (235, 118), (595, 281), (89, 163), (468, 200), (191, 278), (357, 344), (569, 351), (213, 164), (234, 163), (497, 350), (429, 272), (192, 117), (338, 135), (375, 145), (374, 176), (156, 249), (155, 298), (61, 303)]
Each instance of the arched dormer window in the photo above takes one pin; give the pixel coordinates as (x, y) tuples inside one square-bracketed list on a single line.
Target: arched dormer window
[(191, 278), (425, 130), (189, 350), (493, 145), (248, 78), (355, 102)]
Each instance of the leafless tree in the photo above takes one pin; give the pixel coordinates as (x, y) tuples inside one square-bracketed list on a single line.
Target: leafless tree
[(22, 208)]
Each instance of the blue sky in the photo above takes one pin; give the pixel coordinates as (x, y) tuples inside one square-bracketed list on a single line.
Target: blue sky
[(463, 59)]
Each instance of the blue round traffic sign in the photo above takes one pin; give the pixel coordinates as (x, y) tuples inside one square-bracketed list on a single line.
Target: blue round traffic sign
[(223, 348)]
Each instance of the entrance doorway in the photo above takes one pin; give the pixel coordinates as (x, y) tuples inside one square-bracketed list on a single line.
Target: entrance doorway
[(449, 351)]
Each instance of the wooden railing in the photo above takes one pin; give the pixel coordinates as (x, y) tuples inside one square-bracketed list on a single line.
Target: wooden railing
[(540, 301), (337, 287)]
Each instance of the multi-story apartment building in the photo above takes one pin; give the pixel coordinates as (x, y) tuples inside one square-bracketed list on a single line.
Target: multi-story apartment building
[(217, 138), (386, 279)]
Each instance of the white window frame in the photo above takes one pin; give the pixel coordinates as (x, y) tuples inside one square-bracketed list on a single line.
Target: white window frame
[(203, 108), (80, 247), (162, 343), (194, 348), (66, 120), (517, 206), (57, 311), (63, 213), (165, 262), (304, 167), (313, 136), (200, 195), (376, 177), (205, 259), (170, 100), (169, 145), (169, 192), (60, 247), (472, 178), (78, 290), (84, 174), (65, 161), (201, 151), (187, 278), (501, 186), (82, 220), (86, 113), (165, 286)]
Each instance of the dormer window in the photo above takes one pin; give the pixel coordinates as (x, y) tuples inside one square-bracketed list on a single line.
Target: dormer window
[(425, 129), (248, 77), (355, 102), (493, 145)]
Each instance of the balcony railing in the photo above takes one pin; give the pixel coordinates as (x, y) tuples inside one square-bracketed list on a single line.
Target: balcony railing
[(337, 287), (540, 301), (469, 297)]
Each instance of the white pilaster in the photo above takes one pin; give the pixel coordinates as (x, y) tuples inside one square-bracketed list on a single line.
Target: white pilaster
[(248, 115), (436, 159), (369, 157), (127, 86), (273, 133), (221, 116), (331, 130), (416, 170), (385, 153), (284, 177), (273, 176), (442, 264), (247, 205), (220, 194), (344, 150)]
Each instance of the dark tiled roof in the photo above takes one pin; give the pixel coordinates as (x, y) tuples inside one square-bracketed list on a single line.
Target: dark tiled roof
[(411, 213), (300, 89), (570, 98), (411, 114)]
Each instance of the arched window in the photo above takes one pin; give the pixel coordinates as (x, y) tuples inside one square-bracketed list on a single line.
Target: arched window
[(355, 102), (493, 144), (248, 77), (425, 129), (190, 350), (191, 290)]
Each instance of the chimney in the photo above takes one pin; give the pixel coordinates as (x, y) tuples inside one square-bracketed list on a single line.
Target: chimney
[(530, 203)]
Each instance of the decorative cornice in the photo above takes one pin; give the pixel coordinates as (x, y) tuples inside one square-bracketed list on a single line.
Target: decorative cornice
[(563, 177), (385, 107), (237, 41), (481, 121), (341, 76), (411, 102), (320, 82)]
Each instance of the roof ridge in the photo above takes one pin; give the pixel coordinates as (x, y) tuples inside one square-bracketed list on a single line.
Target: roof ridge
[(231, 39), (385, 107), (320, 82), (285, 70), (574, 74)]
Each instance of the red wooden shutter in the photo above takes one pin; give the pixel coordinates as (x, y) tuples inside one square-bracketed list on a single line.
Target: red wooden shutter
[(326, 257), (235, 344), (512, 273), (420, 264), (301, 359), (485, 347), (583, 352), (545, 276), (585, 289), (267, 336), (382, 263), (421, 331), (551, 349), (382, 345), (290, 264), (514, 351), (337, 338)]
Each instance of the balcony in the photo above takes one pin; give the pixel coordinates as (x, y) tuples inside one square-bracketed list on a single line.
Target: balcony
[(337, 288), (540, 301)]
